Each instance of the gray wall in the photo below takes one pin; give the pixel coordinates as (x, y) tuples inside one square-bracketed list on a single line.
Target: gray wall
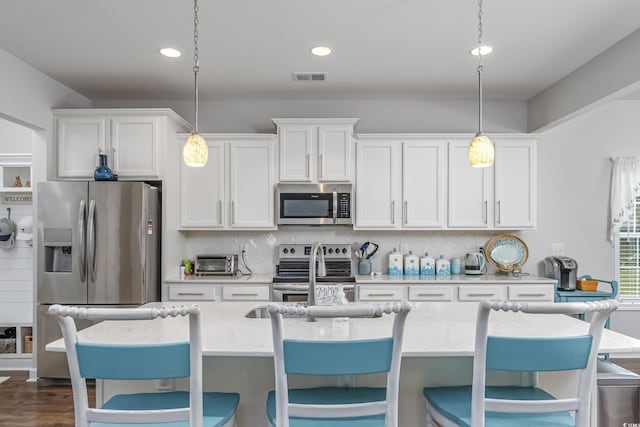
[(376, 116)]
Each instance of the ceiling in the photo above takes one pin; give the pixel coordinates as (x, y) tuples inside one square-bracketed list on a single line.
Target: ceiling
[(395, 49)]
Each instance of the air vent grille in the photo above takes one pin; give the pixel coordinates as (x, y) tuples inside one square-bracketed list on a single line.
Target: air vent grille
[(308, 77)]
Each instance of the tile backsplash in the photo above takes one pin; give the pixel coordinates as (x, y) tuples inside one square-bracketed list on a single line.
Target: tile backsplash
[(262, 246)]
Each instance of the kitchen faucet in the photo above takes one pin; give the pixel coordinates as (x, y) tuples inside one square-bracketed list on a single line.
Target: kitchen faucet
[(322, 272)]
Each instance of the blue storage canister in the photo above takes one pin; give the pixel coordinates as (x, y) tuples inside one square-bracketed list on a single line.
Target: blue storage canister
[(427, 265), (395, 263), (443, 267), (411, 265)]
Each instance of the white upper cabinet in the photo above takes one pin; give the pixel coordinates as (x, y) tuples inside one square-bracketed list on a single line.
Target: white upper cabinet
[(235, 189), (400, 182), (515, 184), (377, 184), (132, 139), (423, 184), (252, 184), (202, 189), (316, 150), (470, 191), (501, 196)]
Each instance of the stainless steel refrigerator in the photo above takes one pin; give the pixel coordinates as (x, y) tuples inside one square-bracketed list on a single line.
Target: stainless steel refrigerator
[(98, 245)]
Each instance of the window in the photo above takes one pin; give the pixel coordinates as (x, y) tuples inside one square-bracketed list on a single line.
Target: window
[(629, 241)]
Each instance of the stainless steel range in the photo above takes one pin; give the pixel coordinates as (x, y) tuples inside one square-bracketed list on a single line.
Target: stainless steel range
[(291, 282)]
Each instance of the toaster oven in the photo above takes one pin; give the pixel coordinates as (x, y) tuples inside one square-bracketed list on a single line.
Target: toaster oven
[(216, 265)]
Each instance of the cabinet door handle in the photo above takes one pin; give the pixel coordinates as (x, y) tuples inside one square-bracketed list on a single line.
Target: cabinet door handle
[(245, 294), (499, 216), (532, 295), (485, 211), (380, 295), (393, 212), (233, 213), (486, 294), (306, 166), (404, 212), (431, 295), (321, 172), (190, 294)]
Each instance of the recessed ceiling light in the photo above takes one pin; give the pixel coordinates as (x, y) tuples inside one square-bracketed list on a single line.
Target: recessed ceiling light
[(170, 52), (321, 51), (484, 50)]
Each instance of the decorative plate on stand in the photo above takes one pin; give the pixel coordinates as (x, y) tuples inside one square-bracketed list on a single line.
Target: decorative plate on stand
[(506, 252)]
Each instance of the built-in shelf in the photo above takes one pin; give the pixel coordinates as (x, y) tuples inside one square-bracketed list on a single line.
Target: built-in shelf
[(15, 173), (16, 341)]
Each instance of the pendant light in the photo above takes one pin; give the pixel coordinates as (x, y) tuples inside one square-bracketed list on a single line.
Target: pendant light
[(195, 151), (481, 148)]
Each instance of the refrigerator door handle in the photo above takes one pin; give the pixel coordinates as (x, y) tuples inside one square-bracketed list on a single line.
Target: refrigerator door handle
[(82, 213), (91, 240)]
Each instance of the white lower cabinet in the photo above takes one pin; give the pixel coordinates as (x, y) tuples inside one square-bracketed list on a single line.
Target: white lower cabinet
[(431, 293), (531, 293), (456, 292), (245, 293), (200, 292), (180, 291), (380, 293), (480, 292)]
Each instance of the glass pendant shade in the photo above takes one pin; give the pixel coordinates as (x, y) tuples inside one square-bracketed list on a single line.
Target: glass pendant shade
[(481, 151), (195, 151)]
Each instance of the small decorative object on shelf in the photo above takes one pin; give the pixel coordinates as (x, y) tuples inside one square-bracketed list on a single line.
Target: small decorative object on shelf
[(103, 172), (28, 184), (17, 182)]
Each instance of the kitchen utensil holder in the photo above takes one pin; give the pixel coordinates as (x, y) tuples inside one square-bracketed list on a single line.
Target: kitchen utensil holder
[(364, 267)]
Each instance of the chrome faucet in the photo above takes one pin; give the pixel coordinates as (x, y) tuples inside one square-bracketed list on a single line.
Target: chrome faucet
[(322, 272)]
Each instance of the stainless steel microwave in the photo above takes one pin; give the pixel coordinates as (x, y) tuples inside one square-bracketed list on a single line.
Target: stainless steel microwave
[(314, 204), (216, 265)]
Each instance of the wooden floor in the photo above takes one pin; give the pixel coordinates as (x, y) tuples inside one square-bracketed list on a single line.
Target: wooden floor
[(25, 404)]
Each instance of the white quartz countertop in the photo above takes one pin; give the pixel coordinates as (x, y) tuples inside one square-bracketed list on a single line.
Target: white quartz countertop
[(455, 279), (384, 278), (253, 278), (432, 330)]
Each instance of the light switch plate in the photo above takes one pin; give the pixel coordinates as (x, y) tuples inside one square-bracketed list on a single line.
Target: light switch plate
[(557, 249)]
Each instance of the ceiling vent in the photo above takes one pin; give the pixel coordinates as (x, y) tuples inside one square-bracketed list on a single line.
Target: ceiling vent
[(309, 77)]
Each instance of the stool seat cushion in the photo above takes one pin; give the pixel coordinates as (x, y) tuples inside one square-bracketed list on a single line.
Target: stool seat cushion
[(455, 404), (329, 396), (218, 408)]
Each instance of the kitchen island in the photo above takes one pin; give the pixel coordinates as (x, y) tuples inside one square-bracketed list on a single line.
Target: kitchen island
[(238, 351)]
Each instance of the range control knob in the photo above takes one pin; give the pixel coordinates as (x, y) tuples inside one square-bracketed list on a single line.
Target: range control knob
[(331, 250), (285, 251), (293, 251), (344, 250)]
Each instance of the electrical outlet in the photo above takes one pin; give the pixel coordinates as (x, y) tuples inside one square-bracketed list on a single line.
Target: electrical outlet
[(557, 249), (166, 384), (244, 248)]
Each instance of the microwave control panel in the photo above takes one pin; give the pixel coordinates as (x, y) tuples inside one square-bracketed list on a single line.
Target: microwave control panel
[(344, 205)]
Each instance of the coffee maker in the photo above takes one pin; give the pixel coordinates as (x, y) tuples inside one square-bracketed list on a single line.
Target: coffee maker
[(563, 269)]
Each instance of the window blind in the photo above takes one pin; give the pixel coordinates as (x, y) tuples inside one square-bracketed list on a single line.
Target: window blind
[(629, 240)]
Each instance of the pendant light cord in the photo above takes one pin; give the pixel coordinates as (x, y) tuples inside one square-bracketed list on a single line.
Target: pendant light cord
[(480, 68), (196, 59)]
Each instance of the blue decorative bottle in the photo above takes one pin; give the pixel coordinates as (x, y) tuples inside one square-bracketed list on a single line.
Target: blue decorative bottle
[(103, 172)]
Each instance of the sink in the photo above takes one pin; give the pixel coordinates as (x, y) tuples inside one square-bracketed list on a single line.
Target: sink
[(261, 312)]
